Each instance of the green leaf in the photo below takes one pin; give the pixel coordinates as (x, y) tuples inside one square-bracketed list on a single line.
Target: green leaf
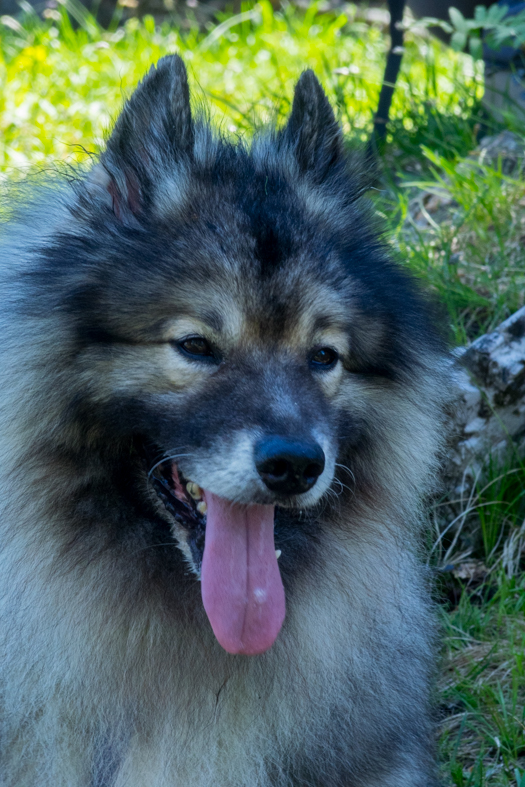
[(499, 37), (458, 41), (457, 19), (496, 13), (475, 47), (480, 14)]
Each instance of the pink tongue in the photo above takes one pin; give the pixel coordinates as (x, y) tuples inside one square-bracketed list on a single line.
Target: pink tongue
[(242, 590)]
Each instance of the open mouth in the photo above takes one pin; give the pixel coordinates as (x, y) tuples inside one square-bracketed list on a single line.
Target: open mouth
[(232, 544), (184, 500)]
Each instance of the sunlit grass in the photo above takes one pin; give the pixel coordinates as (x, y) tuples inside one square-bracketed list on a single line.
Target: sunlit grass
[(461, 228), (61, 88)]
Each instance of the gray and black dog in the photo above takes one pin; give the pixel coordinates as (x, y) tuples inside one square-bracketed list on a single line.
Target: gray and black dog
[(221, 406)]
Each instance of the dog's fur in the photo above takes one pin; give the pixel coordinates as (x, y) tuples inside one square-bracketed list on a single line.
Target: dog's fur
[(111, 673)]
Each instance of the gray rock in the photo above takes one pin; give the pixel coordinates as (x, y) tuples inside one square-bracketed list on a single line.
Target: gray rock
[(490, 413), (505, 149)]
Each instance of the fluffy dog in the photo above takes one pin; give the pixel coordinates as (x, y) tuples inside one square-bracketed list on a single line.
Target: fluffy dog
[(221, 405)]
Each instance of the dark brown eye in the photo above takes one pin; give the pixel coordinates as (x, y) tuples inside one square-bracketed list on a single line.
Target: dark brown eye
[(197, 347), (324, 358)]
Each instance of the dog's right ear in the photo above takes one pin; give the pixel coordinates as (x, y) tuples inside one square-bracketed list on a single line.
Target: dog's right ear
[(153, 132)]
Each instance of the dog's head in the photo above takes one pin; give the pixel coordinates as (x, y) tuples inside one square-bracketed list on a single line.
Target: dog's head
[(242, 344)]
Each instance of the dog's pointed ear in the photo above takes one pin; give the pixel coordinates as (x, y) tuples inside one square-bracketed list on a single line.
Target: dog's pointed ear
[(312, 129), (153, 132)]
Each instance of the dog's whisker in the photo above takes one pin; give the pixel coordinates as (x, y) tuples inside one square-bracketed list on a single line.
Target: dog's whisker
[(342, 487), (154, 546), (347, 469), (169, 458)]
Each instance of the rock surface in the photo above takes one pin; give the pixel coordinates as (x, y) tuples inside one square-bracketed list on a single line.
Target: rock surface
[(490, 414), (505, 149)]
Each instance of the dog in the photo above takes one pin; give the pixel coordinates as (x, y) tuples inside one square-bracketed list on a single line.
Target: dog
[(222, 407)]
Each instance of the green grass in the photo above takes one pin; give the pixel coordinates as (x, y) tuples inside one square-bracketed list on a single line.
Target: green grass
[(60, 88), (483, 688), (481, 585), (461, 227), (488, 523), (455, 218)]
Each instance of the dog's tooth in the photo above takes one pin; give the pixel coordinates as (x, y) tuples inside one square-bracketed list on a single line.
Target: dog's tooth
[(194, 490), (202, 507), (278, 553)]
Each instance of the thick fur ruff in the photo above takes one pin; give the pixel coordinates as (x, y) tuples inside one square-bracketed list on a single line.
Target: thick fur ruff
[(112, 676)]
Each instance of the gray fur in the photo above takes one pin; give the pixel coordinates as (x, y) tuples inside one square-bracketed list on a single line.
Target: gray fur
[(111, 675)]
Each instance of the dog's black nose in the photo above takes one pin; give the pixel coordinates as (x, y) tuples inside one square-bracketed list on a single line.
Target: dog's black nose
[(288, 466)]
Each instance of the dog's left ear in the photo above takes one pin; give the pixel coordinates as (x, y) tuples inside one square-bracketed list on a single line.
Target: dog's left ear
[(312, 129), (152, 134)]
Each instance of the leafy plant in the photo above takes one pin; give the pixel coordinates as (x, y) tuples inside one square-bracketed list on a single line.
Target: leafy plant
[(492, 26)]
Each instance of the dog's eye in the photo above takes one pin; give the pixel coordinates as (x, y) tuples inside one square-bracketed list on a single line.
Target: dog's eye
[(323, 358), (197, 347)]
